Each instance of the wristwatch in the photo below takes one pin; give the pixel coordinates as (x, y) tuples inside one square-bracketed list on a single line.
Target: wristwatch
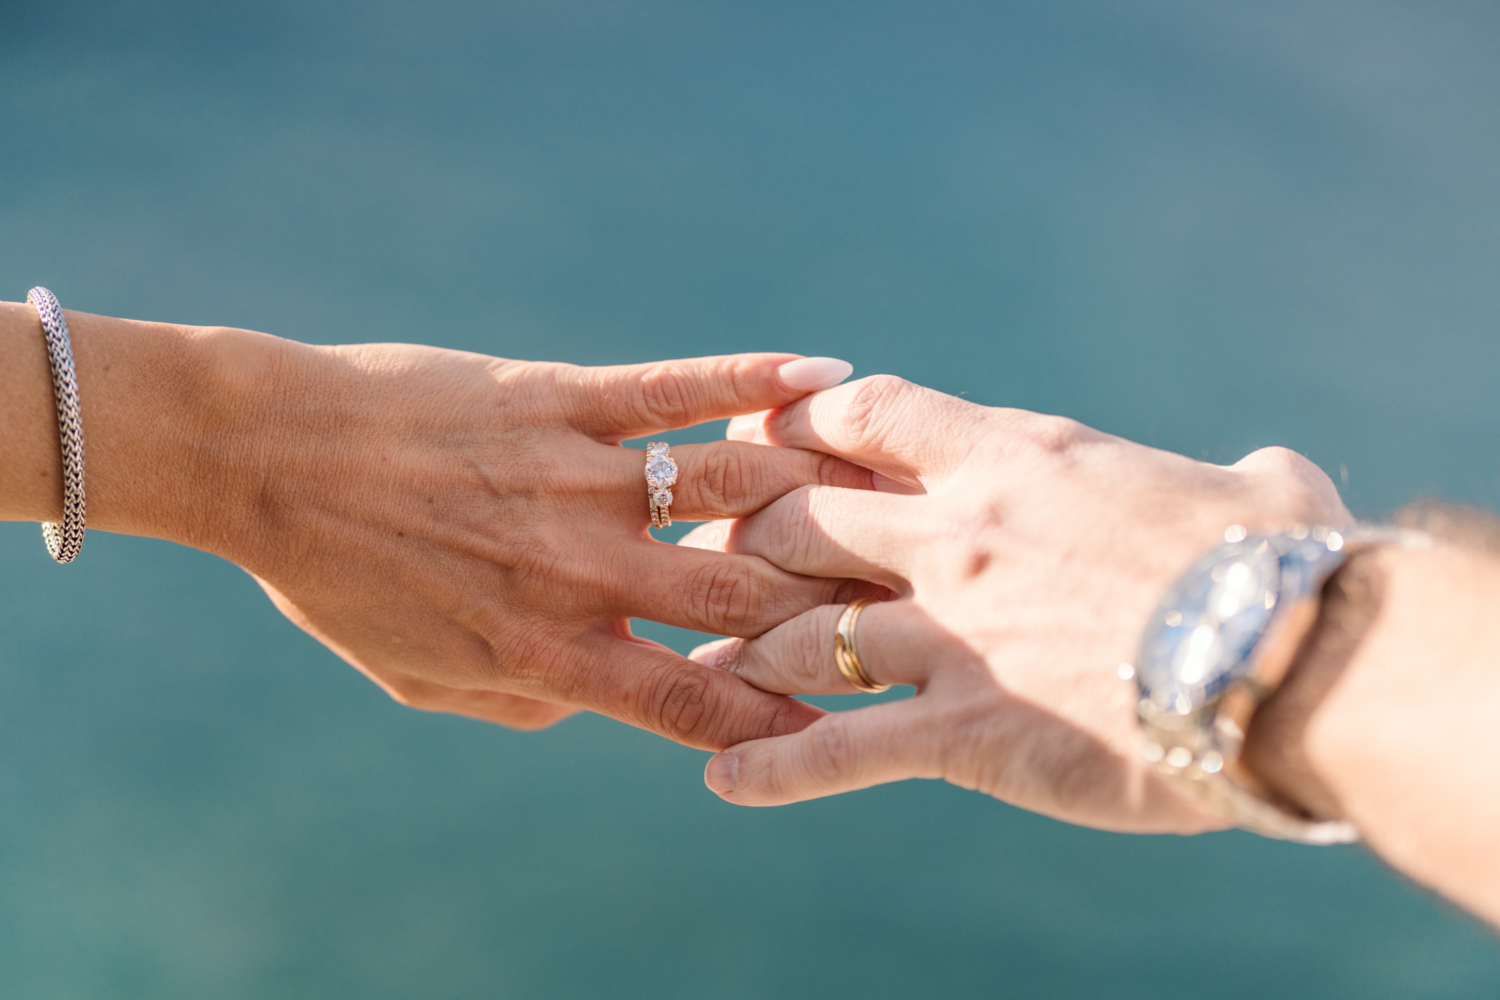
[(1223, 639)]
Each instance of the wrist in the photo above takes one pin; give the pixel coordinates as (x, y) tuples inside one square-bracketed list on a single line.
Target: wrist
[(1416, 691), (1400, 631), (1393, 731), (179, 424), (1276, 750)]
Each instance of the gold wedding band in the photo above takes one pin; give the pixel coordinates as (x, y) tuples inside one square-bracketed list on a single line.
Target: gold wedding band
[(847, 656)]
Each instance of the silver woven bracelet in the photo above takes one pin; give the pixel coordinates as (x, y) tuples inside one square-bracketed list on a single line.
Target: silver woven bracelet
[(65, 539)]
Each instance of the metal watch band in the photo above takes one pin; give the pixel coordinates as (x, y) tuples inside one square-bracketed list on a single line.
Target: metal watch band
[(65, 538), (1195, 713)]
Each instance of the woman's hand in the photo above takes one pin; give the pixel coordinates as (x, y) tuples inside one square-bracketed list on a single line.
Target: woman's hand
[(465, 530), (1026, 566)]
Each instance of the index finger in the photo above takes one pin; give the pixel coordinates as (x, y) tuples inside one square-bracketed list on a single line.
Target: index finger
[(626, 401), (897, 428)]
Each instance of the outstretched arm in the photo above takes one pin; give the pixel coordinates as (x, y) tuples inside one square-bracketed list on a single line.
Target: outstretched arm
[(1390, 718), (465, 530)]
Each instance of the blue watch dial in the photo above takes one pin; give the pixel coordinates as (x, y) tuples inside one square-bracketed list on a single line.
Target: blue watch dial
[(1200, 637)]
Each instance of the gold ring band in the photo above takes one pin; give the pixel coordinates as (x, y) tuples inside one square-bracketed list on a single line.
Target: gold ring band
[(846, 656)]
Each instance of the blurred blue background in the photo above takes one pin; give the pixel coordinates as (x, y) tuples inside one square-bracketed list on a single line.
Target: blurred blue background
[(1207, 226)]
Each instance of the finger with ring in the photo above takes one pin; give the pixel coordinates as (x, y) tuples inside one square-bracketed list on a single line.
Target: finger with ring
[(719, 479), (661, 476), (895, 643)]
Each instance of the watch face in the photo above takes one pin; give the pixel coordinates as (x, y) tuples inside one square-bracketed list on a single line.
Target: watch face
[(1200, 637)]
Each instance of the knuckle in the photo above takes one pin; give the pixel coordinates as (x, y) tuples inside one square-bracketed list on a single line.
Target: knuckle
[(665, 394), (786, 717), (678, 702), (1293, 484), (828, 755), (869, 410), (1279, 460), (798, 515), (1050, 435), (556, 383), (530, 717), (724, 477), (808, 653), (726, 598), (831, 471), (735, 379), (409, 692), (732, 657)]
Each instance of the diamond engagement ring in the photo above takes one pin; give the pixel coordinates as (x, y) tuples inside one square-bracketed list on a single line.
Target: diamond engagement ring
[(661, 474)]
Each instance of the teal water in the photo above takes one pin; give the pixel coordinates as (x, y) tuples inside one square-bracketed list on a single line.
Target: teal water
[(1207, 226)]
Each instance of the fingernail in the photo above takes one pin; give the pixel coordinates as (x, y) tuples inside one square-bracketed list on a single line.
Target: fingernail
[(812, 374), (707, 653), (743, 428), (885, 484), (722, 774)]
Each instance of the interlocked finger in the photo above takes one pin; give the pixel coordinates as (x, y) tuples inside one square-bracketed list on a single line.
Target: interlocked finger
[(626, 401), (902, 430), (826, 531), (721, 594), (650, 686), (895, 641), (726, 479)]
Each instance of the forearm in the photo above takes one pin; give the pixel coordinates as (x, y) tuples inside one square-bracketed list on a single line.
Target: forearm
[(170, 415), (464, 529), (1393, 722)]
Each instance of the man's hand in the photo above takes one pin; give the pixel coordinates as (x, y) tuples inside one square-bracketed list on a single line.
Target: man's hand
[(1026, 564)]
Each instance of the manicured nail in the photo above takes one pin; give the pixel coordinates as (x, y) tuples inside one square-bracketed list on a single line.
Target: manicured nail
[(744, 428), (707, 653), (722, 774), (812, 374), (712, 536)]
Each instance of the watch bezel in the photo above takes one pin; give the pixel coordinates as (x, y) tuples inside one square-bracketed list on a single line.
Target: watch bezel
[(1168, 631), (1199, 749)]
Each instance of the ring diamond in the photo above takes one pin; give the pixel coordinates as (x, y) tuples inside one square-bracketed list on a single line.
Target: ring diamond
[(661, 474)]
